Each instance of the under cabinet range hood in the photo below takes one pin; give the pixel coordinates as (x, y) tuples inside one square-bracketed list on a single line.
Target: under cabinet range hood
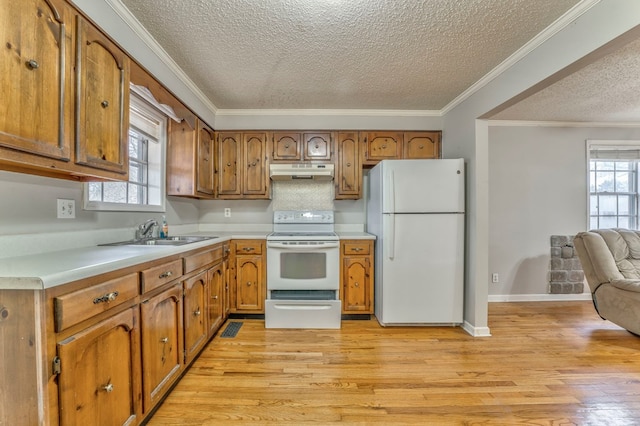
[(301, 171)]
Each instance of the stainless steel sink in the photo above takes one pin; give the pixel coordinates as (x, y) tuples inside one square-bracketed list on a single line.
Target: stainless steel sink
[(171, 241)]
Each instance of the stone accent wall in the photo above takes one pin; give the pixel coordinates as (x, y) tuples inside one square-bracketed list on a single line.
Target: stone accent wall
[(566, 275)]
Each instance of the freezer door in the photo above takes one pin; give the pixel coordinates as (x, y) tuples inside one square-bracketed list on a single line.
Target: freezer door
[(420, 269), (416, 186)]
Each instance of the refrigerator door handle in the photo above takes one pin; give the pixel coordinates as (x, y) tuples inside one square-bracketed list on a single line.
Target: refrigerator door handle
[(392, 192), (391, 236)]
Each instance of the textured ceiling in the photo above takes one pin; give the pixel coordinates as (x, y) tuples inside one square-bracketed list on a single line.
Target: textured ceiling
[(341, 54), (607, 90)]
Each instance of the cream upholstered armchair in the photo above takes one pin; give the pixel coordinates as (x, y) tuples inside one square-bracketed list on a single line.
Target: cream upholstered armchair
[(611, 262)]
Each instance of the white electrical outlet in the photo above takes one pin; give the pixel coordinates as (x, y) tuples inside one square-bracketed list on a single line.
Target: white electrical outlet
[(495, 278), (227, 212), (66, 209)]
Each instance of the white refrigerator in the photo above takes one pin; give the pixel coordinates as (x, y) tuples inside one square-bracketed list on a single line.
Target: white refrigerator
[(415, 208)]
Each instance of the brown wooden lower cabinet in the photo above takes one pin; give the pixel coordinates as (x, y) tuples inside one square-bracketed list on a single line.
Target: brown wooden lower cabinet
[(248, 276), (162, 343), (100, 381), (356, 276)]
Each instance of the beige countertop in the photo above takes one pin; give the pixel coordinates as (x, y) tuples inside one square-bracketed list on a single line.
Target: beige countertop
[(46, 270)]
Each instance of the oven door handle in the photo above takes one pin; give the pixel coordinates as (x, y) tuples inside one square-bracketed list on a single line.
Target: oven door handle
[(316, 247)]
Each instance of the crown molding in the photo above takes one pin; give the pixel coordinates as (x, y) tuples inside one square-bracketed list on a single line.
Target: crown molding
[(528, 123), (132, 22), (557, 26), (327, 112)]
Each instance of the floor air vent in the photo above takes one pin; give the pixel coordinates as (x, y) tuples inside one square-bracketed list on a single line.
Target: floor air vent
[(232, 329)]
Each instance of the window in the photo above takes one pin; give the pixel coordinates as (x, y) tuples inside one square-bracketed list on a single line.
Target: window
[(145, 190), (613, 184)]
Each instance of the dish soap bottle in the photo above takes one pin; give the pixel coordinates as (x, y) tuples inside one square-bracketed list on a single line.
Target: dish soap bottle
[(164, 233)]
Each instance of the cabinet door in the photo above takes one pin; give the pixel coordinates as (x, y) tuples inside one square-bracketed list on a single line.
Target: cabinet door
[(36, 110), (229, 154), (100, 369), (249, 284), (196, 293), (348, 170), (102, 101), (215, 307), (317, 146), (162, 343), (204, 180), (422, 145), (181, 150), (356, 288), (382, 146), (256, 170), (286, 146)]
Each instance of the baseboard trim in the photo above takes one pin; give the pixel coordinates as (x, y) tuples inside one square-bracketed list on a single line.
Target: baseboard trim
[(538, 297), (476, 331)]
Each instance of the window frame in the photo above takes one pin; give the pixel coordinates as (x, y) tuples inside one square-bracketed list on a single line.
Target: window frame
[(145, 108), (634, 157)]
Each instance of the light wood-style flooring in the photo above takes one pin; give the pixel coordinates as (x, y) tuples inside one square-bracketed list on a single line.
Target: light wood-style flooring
[(547, 363)]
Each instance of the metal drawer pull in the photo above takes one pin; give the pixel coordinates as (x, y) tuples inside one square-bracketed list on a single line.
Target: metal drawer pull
[(109, 297), (248, 248), (248, 283), (104, 104), (108, 388), (357, 249), (164, 340), (197, 313), (357, 285), (165, 274), (33, 64), (215, 297)]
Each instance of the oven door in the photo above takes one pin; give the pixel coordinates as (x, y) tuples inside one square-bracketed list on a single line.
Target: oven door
[(303, 265)]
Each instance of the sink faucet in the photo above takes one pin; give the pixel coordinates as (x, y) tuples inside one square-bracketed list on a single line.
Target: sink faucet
[(145, 230)]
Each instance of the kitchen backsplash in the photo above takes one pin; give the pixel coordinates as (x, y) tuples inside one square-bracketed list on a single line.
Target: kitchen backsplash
[(302, 195)]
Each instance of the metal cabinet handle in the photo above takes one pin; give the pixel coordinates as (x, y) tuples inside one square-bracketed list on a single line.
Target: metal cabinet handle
[(384, 146), (164, 340), (357, 249), (104, 104), (228, 164), (108, 388), (421, 147), (248, 283), (165, 274), (215, 297), (33, 64), (286, 146), (357, 284), (248, 248), (109, 297), (317, 146), (348, 164), (197, 313)]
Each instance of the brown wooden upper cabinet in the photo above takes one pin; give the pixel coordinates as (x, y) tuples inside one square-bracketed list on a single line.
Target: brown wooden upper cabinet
[(422, 145), (190, 159), (290, 146), (102, 101), (37, 46), (242, 165), (286, 146), (49, 125), (348, 176), (399, 145)]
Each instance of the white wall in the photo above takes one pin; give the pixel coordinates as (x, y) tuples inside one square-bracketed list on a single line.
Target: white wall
[(537, 188)]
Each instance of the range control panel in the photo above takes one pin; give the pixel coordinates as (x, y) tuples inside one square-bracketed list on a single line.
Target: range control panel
[(306, 216)]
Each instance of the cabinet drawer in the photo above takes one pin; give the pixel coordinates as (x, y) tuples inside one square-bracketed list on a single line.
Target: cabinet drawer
[(77, 306), (356, 248), (248, 247), (199, 260), (159, 275)]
